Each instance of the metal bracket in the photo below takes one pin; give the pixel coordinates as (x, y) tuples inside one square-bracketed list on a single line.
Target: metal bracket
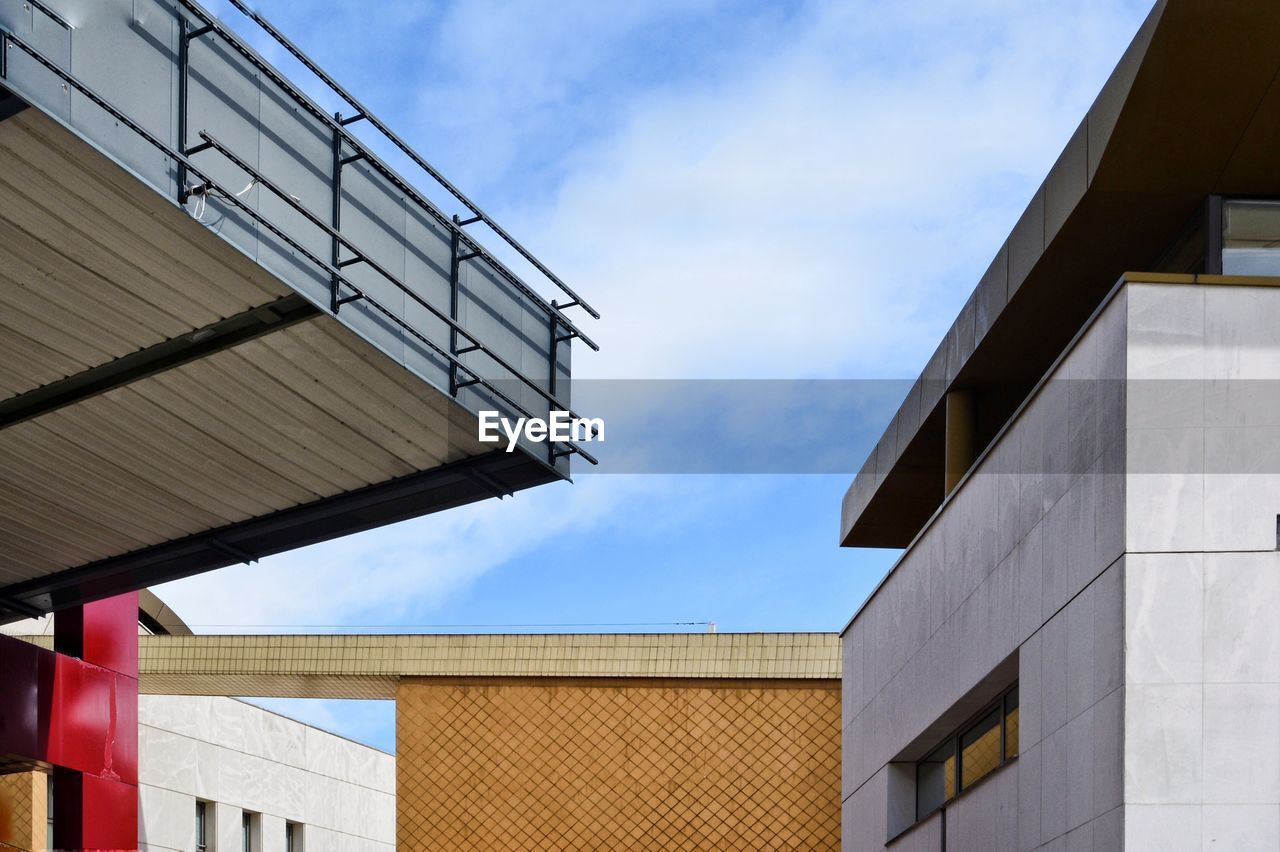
[(246, 558), (21, 608)]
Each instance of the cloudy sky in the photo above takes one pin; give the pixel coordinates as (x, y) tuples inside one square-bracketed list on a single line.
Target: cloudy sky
[(787, 190)]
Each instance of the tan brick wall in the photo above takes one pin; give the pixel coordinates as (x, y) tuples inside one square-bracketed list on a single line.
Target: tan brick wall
[(22, 811), (563, 763)]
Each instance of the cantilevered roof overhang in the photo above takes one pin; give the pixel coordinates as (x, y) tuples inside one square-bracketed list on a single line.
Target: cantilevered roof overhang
[(1191, 111), (227, 329)]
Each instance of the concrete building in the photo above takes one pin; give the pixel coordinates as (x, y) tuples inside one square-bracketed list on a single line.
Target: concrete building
[(213, 771), (1078, 647), (218, 773)]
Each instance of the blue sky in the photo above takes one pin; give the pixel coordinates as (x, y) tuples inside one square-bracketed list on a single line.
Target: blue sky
[(789, 190)]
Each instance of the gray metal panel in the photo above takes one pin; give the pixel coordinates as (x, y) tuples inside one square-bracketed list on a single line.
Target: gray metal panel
[(224, 97), (24, 76), (129, 49), (294, 151), (373, 218), (427, 263)]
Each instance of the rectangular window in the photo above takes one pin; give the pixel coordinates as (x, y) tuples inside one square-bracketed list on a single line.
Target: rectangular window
[(202, 826), (1011, 723), (969, 755), (48, 804), (292, 837), (247, 823), (1250, 237)]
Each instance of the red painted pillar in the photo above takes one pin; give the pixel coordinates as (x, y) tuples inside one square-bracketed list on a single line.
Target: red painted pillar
[(93, 726)]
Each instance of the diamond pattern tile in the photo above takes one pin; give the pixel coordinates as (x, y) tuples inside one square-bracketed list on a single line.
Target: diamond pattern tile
[(558, 764), (22, 812)]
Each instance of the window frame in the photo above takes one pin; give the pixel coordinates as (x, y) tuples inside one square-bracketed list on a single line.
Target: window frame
[(248, 824), (202, 825), (1000, 706)]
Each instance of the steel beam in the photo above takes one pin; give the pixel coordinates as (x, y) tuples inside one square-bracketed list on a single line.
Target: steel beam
[(155, 359), (411, 496)]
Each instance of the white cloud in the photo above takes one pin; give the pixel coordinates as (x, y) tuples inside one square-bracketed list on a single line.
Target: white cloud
[(825, 208)]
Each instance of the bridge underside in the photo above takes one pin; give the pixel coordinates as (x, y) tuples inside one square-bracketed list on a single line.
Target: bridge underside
[(167, 406)]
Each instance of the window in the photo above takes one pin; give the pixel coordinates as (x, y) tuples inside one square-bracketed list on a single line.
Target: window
[(1250, 237), (292, 837), (969, 755), (936, 779), (202, 826), (248, 823)]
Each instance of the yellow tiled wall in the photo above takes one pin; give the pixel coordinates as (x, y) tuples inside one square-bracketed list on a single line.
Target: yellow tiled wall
[(564, 763), (23, 819)]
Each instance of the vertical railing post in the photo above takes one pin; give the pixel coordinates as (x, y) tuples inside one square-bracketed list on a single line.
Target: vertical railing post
[(184, 61), (554, 351), (337, 212), (455, 273)]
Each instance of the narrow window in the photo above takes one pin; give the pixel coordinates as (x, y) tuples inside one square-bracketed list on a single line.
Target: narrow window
[(936, 779), (292, 837), (202, 829), (1011, 724), (247, 825)]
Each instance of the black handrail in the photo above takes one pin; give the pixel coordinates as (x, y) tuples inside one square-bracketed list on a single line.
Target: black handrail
[(361, 256), (210, 185), (363, 112), (339, 127)]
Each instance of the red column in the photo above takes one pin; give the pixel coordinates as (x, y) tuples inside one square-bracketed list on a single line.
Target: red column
[(93, 725)]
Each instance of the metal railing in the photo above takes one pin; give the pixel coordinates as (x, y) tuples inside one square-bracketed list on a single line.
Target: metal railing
[(363, 113), (338, 126), (208, 186)]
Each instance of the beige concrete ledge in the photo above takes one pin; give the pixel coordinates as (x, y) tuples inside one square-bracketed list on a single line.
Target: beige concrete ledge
[(365, 666)]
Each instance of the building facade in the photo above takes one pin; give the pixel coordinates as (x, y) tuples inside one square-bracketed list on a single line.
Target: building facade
[(1075, 649), (220, 775), (212, 770)]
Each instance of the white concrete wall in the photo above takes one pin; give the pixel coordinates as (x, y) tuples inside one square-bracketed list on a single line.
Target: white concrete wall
[(1202, 685), (245, 758), (1025, 560), (1122, 538)]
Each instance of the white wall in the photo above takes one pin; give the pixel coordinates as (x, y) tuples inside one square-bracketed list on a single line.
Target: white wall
[(1202, 685), (244, 758)]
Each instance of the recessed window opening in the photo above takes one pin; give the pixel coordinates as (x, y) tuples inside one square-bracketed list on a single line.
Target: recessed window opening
[(969, 755), (202, 826), (1250, 237)]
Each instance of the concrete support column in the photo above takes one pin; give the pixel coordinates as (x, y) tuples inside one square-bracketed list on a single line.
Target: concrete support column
[(961, 446), (94, 726)]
